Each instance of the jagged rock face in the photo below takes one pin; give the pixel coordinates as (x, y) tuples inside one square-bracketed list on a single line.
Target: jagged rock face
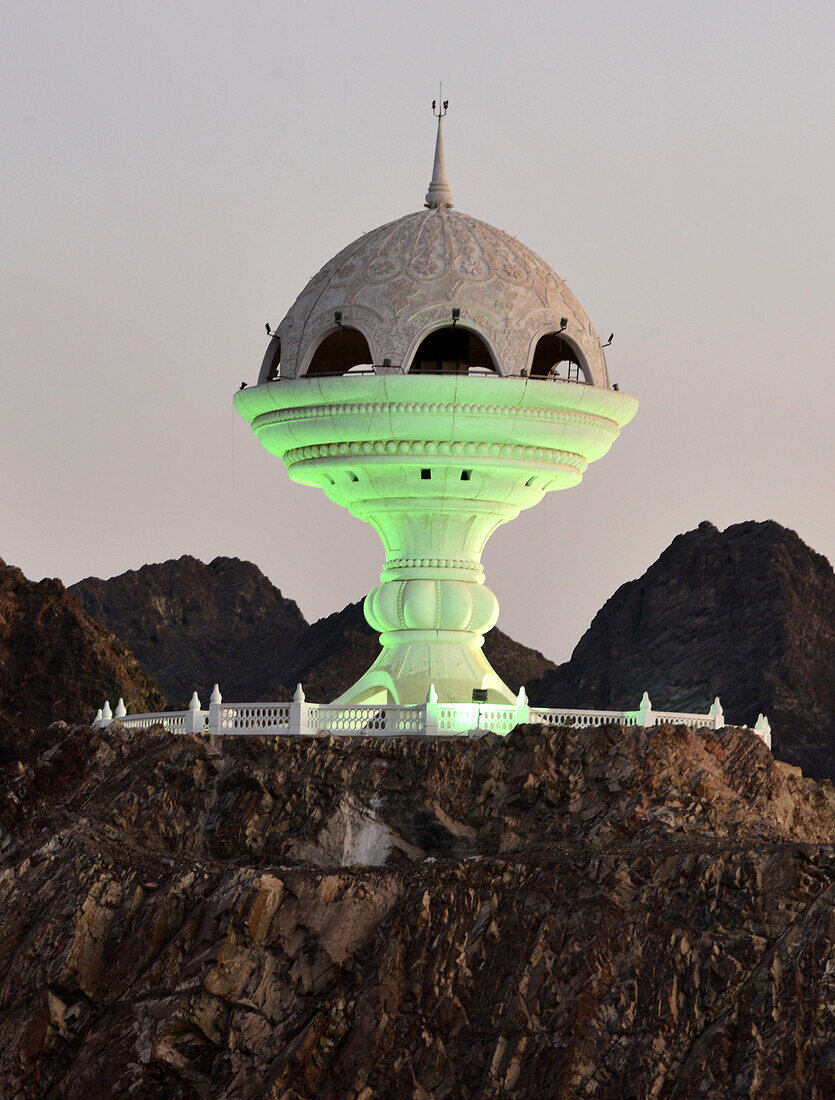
[(56, 662), (192, 624), (747, 614), (612, 912)]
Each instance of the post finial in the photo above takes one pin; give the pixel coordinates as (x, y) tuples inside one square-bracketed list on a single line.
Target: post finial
[(439, 193)]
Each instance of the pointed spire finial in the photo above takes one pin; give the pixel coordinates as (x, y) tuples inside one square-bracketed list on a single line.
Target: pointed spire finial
[(439, 193)]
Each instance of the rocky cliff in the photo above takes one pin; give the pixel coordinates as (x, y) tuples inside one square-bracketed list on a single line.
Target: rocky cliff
[(747, 614), (611, 913), (56, 662), (191, 624)]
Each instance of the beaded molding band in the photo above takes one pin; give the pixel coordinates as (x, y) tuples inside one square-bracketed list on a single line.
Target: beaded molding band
[(423, 447)]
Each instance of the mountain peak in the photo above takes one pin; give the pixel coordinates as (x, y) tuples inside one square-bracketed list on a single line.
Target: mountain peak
[(194, 623), (747, 613)]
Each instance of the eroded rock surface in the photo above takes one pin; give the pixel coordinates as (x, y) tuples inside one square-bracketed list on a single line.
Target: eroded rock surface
[(611, 913)]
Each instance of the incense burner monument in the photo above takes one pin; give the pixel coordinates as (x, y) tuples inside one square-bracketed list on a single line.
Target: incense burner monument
[(436, 378)]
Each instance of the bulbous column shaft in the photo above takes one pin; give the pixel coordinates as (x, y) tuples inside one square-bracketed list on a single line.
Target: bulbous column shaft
[(432, 608)]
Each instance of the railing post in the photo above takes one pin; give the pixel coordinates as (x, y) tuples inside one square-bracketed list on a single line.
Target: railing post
[(645, 715), (523, 710), (98, 721), (430, 711), (763, 729), (194, 716), (214, 711), (717, 714), (106, 713), (299, 712), (121, 709)]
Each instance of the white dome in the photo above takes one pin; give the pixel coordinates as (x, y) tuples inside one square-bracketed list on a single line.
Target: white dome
[(400, 282)]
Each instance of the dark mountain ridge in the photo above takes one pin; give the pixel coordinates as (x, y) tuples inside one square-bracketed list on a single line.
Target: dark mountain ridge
[(192, 624), (747, 614)]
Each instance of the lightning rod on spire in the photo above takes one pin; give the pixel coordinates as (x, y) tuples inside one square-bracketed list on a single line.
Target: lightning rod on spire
[(439, 193)]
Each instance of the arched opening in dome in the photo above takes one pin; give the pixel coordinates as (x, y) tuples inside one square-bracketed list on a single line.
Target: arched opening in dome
[(270, 369), (556, 357), (342, 350), (452, 350)]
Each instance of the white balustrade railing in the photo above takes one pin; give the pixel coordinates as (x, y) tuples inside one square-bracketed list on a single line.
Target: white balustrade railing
[(584, 717), (461, 717), (431, 718), (673, 718), (173, 721), (252, 718), (365, 720)]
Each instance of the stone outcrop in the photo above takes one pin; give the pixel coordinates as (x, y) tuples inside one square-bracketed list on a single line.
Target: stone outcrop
[(609, 912), (56, 662), (191, 624), (747, 614)]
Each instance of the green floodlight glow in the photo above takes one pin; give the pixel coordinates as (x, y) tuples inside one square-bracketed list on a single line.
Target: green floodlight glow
[(491, 447)]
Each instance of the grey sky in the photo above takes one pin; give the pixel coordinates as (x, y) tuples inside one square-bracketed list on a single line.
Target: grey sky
[(172, 174)]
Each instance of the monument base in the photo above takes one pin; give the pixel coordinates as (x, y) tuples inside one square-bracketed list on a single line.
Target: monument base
[(404, 671)]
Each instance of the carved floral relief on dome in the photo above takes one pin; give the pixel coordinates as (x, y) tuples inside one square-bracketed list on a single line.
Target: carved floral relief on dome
[(384, 268), (509, 261), (400, 280), (427, 267), (401, 293), (429, 249), (347, 273), (469, 256), (474, 268), (391, 252)]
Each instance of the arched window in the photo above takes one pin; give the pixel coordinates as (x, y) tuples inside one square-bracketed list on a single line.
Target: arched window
[(555, 357), (452, 350), (273, 359), (340, 351)]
